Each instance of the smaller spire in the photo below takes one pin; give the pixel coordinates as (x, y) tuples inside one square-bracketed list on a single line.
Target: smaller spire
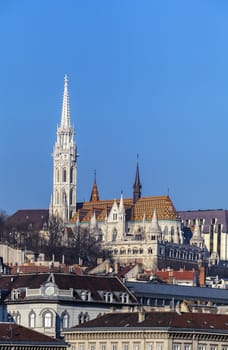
[(197, 238), (93, 220), (94, 194), (154, 223), (137, 184), (121, 205)]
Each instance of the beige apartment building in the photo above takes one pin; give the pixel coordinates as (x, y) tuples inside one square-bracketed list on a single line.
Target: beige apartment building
[(151, 331)]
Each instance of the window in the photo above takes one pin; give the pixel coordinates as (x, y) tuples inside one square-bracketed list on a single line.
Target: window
[(202, 347), (47, 319), (114, 346), (92, 346), (85, 317), (114, 234), (81, 346), (17, 318), (57, 174), (159, 346), (71, 175), (124, 298), (187, 347), (102, 346), (65, 320), (125, 346), (108, 297), (85, 295), (149, 346), (136, 346), (71, 196), (64, 175), (213, 347), (32, 319), (176, 347)]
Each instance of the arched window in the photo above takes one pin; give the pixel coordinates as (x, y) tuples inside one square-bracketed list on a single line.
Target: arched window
[(64, 175), (65, 320), (56, 197), (71, 175), (80, 318), (150, 251), (64, 198), (57, 175), (17, 317), (135, 250), (114, 234), (32, 319), (114, 216), (47, 319), (86, 317), (71, 196)]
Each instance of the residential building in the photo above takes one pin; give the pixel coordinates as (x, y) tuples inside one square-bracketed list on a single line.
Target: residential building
[(151, 331), (50, 302)]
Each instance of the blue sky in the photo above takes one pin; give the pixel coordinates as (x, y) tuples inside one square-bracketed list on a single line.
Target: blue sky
[(146, 77)]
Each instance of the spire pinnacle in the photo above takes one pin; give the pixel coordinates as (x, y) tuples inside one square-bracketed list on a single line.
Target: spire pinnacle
[(95, 193), (65, 118), (137, 184)]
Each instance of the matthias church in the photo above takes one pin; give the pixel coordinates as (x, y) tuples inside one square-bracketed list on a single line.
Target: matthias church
[(145, 230)]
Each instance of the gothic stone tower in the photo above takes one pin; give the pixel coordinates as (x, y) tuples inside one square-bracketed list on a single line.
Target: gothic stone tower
[(63, 202)]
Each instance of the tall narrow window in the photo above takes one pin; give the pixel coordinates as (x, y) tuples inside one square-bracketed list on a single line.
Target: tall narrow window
[(47, 319), (32, 319), (71, 196), (64, 175), (57, 174), (65, 320), (71, 175)]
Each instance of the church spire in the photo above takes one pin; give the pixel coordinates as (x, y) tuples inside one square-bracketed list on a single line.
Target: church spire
[(94, 194), (65, 117), (137, 185), (64, 165)]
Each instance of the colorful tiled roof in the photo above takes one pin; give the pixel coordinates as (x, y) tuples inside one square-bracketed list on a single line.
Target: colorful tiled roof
[(143, 208)]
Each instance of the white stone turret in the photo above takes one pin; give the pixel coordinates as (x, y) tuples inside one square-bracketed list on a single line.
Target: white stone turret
[(121, 219), (197, 238), (93, 222), (154, 231), (63, 203)]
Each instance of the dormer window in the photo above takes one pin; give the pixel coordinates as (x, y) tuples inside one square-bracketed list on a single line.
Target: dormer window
[(108, 297), (124, 297), (15, 293), (85, 295)]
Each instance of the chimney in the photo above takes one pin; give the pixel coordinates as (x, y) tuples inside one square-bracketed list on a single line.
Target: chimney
[(141, 315)]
